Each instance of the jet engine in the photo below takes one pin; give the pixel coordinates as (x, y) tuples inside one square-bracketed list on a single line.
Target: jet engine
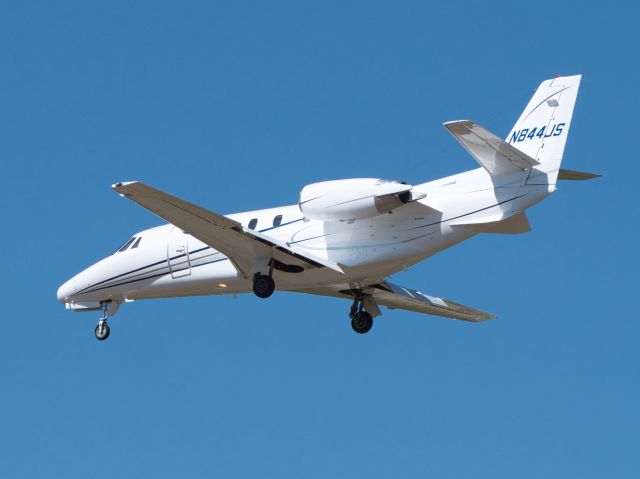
[(354, 199)]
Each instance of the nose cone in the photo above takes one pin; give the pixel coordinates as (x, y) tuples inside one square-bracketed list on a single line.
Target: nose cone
[(66, 291)]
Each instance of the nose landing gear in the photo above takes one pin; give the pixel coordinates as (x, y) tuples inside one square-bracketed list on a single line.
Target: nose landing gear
[(102, 329)]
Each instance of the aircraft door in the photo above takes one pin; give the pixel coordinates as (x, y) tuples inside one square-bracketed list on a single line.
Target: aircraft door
[(178, 253)]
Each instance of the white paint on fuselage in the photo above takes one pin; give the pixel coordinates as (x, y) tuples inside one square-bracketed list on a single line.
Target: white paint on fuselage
[(370, 249)]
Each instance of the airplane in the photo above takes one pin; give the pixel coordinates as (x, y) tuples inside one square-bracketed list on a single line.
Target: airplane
[(343, 238)]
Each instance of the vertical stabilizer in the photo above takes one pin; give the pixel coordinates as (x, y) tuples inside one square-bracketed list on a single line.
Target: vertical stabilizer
[(541, 131)]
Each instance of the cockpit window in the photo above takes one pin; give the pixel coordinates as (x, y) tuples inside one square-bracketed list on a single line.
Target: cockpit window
[(137, 243), (253, 223), (277, 221), (126, 245)]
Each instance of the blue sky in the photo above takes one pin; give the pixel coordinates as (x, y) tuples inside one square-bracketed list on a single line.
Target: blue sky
[(238, 105)]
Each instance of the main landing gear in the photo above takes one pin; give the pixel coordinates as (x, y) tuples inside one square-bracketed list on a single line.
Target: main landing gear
[(263, 284), (361, 321), (102, 329)]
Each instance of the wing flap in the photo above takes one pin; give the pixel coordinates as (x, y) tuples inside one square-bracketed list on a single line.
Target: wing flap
[(293, 251), (492, 153)]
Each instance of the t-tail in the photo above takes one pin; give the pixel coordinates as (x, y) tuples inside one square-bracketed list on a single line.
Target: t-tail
[(536, 142), (542, 129)]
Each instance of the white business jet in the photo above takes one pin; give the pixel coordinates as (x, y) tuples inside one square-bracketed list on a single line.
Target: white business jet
[(344, 237)]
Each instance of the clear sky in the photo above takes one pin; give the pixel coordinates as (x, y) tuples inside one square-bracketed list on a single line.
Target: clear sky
[(238, 105)]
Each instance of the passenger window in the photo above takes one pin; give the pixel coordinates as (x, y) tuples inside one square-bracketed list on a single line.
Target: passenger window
[(135, 245), (277, 221), (253, 223), (126, 245)]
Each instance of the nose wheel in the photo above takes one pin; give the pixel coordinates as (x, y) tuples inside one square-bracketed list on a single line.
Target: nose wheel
[(102, 329), (361, 321)]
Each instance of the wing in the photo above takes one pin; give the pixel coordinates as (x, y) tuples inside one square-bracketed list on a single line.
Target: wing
[(494, 154), (248, 250), (393, 296)]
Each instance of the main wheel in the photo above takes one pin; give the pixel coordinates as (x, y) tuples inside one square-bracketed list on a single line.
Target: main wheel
[(102, 331), (362, 322), (263, 286)]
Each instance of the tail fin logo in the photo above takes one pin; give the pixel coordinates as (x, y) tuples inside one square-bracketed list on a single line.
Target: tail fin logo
[(536, 133)]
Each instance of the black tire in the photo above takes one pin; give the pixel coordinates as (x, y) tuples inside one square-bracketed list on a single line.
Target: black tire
[(263, 286), (102, 331), (362, 322)]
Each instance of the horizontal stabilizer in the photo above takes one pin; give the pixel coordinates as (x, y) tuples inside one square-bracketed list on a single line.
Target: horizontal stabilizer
[(492, 153), (576, 175)]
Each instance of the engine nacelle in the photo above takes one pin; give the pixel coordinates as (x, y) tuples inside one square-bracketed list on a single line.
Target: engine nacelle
[(353, 199)]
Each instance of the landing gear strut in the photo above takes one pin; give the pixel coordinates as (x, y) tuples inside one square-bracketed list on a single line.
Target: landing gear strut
[(102, 329), (361, 321)]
